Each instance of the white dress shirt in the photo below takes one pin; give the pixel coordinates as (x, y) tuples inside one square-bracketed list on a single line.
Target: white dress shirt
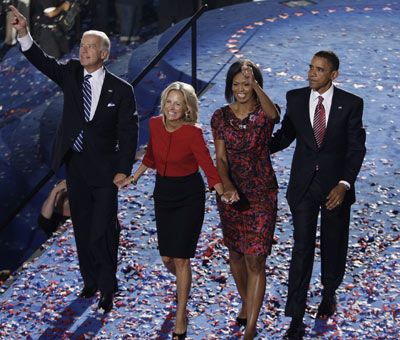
[(327, 95), (96, 82), (327, 102), (25, 42)]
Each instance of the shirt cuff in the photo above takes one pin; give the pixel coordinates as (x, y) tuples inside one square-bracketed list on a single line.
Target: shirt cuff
[(347, 184), (26, 42)]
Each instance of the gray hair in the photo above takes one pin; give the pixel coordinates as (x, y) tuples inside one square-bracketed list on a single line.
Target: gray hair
[(105, 40)]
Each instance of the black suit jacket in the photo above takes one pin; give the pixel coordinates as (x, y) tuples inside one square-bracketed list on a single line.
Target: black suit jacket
[(110, 138), (342, 152)]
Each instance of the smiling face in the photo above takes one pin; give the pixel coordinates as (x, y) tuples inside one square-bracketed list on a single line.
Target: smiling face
[(321, 74), (91, 53), (241, 89), (175, 106)]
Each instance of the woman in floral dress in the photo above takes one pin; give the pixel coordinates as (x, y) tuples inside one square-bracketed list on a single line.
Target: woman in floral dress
[(241, 132)]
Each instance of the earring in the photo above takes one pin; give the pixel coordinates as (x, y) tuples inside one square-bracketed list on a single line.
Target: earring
[(187, 115)]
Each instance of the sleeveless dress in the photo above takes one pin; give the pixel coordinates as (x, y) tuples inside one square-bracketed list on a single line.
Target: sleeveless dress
[(251, 231)]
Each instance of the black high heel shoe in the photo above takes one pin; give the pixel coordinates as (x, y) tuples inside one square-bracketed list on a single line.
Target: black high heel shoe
[(242, 322), (179, 336)]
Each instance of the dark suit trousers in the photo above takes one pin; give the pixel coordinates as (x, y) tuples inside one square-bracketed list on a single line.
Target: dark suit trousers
[(334, 241), (94, 217)]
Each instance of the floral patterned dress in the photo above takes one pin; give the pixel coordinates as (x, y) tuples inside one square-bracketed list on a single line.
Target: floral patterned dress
[(246, 141)]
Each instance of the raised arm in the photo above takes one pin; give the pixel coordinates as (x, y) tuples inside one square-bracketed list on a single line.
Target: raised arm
[(266, 103), (45, 64), (19, 22)]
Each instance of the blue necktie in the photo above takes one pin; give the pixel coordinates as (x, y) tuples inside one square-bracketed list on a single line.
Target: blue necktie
[(87, 104)]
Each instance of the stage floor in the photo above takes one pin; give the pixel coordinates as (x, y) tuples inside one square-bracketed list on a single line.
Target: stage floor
[(42, 301)]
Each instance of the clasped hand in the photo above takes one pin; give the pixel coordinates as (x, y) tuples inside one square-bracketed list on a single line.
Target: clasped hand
[(230, 196), (126, 181), (121, 180)]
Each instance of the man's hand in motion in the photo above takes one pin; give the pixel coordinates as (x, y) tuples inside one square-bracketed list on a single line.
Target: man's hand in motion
[(18, 21)]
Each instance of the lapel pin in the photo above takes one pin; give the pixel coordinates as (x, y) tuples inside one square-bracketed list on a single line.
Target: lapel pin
[(109, 90), (340, 107)]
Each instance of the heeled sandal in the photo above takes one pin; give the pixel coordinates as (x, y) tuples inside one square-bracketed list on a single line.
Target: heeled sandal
[(242, 322), (179, 336)]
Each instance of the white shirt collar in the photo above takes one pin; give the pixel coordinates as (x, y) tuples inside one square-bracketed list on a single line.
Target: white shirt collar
[(96, 75), (327, 95)]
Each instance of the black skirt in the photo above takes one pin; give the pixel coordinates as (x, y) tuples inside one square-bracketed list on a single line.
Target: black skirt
[(179, 204)]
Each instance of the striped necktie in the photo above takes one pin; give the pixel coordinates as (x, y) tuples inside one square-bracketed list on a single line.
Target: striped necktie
[(87, 104), (319, 125)]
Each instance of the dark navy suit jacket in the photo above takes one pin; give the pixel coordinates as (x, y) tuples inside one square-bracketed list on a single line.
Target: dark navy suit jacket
[(342, 152), (110, 138)]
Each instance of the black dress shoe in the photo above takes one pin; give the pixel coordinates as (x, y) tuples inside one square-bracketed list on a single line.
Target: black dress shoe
[(296, 331), (88, 292), (106, 302), (242, 322), (327, 307)]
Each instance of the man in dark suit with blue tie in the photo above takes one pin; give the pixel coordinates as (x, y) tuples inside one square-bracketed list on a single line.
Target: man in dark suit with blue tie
[(97, 140), (330, 147)]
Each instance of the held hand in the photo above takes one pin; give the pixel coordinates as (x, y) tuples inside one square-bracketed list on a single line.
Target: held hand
[(336, 197), (230, 196), (119, 180), (127, 181), (18, 21)]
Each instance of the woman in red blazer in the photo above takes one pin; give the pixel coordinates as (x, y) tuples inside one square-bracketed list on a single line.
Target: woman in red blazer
[(176, 149)]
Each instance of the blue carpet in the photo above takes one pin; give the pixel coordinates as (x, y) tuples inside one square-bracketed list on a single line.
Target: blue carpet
[(42, 302)]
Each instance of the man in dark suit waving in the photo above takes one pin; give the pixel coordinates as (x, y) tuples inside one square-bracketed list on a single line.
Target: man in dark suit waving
[(97, 139), (330, 147)]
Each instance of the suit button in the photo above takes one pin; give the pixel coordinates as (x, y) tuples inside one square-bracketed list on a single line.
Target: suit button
[(317, 167)]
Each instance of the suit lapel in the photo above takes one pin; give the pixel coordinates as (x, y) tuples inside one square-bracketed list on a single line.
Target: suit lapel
[(307, 128), (336, 108), (78, 92), (106, 94)]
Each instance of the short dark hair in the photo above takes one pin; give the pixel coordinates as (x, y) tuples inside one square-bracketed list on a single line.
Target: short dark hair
[(331, 57), (236, 68)]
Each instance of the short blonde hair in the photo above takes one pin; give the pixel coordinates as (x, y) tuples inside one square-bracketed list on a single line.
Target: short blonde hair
[(105, 40), (189, 96)]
